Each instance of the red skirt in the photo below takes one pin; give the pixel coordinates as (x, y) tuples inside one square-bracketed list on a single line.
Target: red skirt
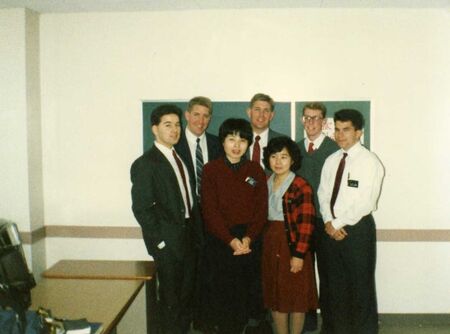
[(284, 291)]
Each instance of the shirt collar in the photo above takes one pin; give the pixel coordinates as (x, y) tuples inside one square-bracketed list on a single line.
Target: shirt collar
[(354, 149), (164, 149), (316, 142), (193, 138), (263, 135), (237, 165)]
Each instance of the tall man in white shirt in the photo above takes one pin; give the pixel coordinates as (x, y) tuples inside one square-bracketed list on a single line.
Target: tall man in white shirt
[(349, 188), (314, 149)]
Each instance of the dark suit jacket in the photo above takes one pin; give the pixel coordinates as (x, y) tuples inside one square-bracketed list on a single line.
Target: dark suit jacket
[(274, 134), (159, 208), (215, 150)]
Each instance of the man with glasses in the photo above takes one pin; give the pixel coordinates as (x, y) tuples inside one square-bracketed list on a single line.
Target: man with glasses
[(314, 149)]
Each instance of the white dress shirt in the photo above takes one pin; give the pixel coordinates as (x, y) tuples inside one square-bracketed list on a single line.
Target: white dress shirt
[(167, 152), (192, 143), (359, 190), (263, 141)]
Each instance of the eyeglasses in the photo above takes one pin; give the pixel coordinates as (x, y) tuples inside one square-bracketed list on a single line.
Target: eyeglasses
[(311, 118)]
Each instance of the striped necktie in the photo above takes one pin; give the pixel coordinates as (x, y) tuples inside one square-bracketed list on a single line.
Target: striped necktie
[(198, 165)]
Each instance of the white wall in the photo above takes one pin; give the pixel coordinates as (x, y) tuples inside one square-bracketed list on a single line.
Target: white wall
[(21, 184), (14, 203), (97, 67)]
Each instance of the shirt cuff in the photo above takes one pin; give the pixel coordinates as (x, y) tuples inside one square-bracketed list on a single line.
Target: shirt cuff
[(298, 254), (337, 223)]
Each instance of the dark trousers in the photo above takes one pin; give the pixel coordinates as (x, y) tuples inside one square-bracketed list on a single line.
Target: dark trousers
[(176, 278), (204, 287), (350, 272), (322, 238), (311, 322)]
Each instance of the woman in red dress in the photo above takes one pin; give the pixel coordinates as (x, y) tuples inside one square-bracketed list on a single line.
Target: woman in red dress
[(289, 285)]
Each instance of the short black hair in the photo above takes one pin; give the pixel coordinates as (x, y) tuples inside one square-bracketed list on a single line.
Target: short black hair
[(164, 109), (352, 115), (276, 145), (236, 126)]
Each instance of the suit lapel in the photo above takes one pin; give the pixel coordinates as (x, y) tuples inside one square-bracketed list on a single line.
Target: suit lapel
[(164, 171)]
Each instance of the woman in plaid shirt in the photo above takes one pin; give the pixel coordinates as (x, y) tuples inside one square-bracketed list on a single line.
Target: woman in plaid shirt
[(289, 285)]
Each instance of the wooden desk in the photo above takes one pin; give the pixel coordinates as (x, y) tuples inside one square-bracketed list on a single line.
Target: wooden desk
[(112, 270), (104, 301), (102, 269)]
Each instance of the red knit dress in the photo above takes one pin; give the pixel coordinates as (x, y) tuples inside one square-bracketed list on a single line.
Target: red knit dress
[(283, 290)]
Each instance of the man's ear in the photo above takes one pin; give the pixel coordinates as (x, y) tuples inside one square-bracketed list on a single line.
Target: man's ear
[(359, 134)]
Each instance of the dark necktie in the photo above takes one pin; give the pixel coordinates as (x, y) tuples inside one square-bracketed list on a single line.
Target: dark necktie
[(311, 147), (256, 155), (337, 183), (183, 177), (198, 165)]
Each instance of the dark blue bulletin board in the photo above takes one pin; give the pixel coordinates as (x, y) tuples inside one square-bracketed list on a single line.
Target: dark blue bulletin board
[(332, 107), (221, 111)]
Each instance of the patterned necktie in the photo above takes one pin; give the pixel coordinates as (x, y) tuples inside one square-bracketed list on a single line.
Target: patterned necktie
[(256, 155), (183, 177), (311, 147), (337, 183), (198, 165)]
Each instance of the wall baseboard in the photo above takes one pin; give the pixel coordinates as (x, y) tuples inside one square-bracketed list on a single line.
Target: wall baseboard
[(412, 319), (134, 232)]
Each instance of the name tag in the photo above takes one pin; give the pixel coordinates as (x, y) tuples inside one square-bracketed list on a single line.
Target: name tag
[(251, 181), (352, 183)]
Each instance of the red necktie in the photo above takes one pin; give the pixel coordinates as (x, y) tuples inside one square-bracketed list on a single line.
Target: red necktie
[(183, 177), (311, 147), (337, 183), (256, 155)]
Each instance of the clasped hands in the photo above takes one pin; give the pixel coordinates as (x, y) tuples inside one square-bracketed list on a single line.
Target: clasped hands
[(240, 247), (337, 235)]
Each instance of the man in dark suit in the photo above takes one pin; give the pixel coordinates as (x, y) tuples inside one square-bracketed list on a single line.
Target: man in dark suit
[(260, 112), (196, 147), (165, 206), (198, 115)]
